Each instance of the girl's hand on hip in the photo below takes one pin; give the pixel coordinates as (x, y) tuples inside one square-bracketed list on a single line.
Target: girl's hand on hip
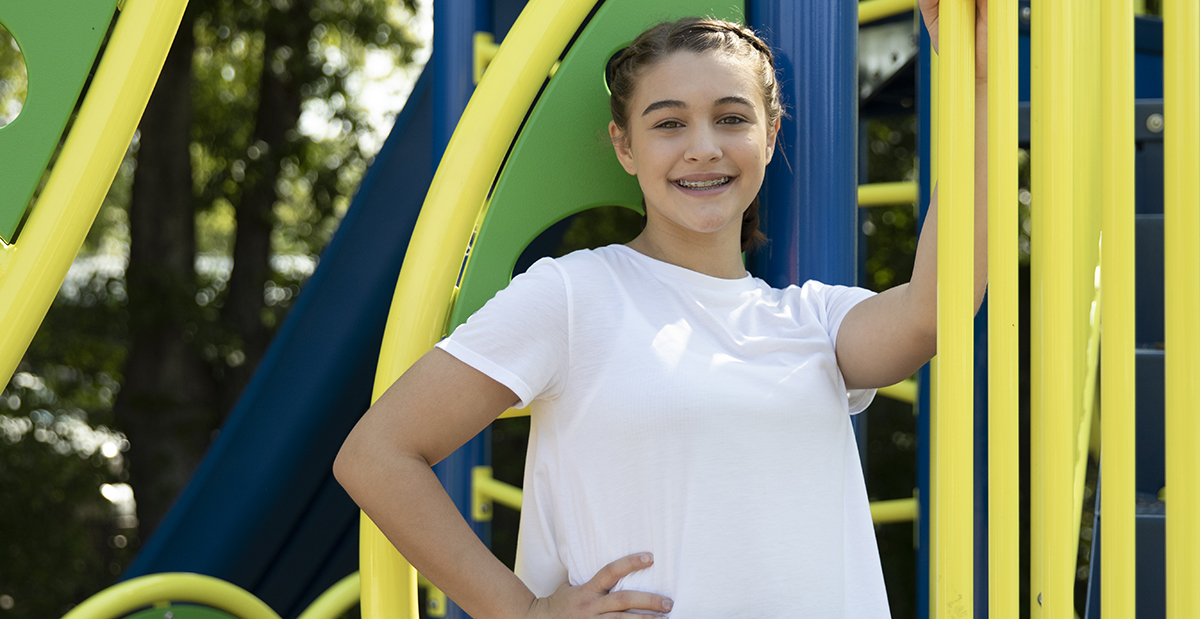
[(592, 598)]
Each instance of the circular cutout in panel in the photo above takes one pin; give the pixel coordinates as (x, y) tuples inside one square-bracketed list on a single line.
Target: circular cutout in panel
[(14, 79)]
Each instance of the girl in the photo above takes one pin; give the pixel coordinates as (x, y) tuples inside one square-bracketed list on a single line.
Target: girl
[(690, 449)]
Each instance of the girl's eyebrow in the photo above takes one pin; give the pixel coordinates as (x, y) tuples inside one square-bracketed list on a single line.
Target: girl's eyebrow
[(675, 103)]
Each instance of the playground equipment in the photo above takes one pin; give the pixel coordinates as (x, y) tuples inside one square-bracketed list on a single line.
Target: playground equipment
[(554, 38)]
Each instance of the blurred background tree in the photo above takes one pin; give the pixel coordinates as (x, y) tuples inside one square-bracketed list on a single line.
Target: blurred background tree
[(244, 162)]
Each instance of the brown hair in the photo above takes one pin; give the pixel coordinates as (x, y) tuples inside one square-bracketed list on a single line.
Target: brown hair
[(698, 35)]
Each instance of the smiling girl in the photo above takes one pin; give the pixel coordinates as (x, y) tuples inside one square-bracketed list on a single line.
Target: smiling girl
[(690, 449)]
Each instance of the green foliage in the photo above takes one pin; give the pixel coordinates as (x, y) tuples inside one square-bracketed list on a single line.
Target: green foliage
[(62, 540)]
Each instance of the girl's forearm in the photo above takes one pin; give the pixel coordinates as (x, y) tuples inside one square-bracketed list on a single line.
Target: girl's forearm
[(404, 498)]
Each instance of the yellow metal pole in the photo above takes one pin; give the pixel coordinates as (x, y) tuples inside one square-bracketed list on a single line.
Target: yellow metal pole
[(1118, 429), (872, 10), (1003, 347), (953, 487), (1181, 212), (934, 66), (1056, 41), (887, 194), (1037, 217)]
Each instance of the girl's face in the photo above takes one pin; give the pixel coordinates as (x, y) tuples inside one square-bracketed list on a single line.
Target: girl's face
[(699, 142)]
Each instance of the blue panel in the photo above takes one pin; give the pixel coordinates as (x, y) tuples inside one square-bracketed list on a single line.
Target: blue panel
[(810, 192), (1150, 300), (1151, 474), (245, 506)]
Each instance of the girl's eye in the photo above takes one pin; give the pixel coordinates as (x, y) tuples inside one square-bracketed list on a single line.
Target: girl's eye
[(732, 120), (669, 124)]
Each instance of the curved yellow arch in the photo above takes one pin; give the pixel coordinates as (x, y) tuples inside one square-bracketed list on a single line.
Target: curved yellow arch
[(33, 268), (425, 288), (124, 598)]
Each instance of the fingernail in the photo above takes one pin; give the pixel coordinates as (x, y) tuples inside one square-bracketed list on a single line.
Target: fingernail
[(667, 604), (647, 558)]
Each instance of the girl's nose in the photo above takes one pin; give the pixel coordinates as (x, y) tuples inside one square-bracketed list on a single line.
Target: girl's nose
[(703, 146)]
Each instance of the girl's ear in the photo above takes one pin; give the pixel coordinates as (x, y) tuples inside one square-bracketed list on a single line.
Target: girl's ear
[(772, 133), (621, 145)]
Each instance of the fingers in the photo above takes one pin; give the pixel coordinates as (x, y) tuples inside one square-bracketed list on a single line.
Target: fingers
[(607, 577), (637, 600)]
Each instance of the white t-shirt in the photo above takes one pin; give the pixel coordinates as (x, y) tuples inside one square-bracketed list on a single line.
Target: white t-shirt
[(704, 420)]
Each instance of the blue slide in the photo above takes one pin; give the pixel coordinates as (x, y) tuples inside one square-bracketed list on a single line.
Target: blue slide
[(263, 510)]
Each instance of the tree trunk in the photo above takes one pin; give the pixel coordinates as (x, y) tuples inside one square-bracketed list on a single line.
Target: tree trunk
[(278, 111), (167, 404)]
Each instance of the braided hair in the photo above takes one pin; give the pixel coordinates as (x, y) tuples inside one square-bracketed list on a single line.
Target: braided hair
[(697, 35)]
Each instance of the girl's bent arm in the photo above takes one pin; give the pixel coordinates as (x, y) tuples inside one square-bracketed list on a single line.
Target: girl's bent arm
[(435, 407)]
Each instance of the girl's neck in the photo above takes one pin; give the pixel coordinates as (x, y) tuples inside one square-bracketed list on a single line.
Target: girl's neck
[(712, 255)]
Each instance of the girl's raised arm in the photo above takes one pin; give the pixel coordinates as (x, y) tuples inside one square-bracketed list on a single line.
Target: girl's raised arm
[(886, 338)]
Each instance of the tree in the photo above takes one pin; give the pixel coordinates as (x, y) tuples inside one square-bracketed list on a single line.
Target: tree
[(221, 135), (250, 149)]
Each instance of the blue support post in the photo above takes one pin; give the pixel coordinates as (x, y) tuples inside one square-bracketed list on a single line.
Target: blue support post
[(810, 193), (453, 60)]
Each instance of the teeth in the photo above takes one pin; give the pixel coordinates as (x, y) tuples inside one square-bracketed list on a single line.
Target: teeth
[(703, 184)]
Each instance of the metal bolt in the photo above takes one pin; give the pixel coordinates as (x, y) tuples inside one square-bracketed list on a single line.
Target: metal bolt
[(1039, 599), (433, 604), (485, 508), (1155, 123), (1026, 13)]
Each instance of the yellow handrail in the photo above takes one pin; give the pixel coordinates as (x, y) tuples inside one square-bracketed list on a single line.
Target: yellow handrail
[(953, 487), (1003, 346), (336, 600), (157, 589), (887, 194), (1181, 221), (434, 256), (874, 10), (1056, 166), (33, 268), (1118, 428)]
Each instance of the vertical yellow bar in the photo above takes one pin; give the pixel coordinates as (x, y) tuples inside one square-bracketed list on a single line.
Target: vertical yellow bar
[(1118, 428), (953, 487), (388, 581), (1057, 36), (1181, 211), (933, 363), (1037, 179), (1003, 371)]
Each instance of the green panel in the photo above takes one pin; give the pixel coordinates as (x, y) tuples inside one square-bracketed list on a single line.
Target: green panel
[(181, 611), (563, 162), (60, 39)]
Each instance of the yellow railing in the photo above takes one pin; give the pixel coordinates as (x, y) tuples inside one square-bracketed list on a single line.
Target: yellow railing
[(1003, 346), (1181, 222), (887, 194), (952, 554), (161, 589), (874, 10), (1117, 425)]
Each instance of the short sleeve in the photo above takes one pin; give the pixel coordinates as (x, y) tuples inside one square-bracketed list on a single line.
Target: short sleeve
[(520, 338), (831, 304)]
